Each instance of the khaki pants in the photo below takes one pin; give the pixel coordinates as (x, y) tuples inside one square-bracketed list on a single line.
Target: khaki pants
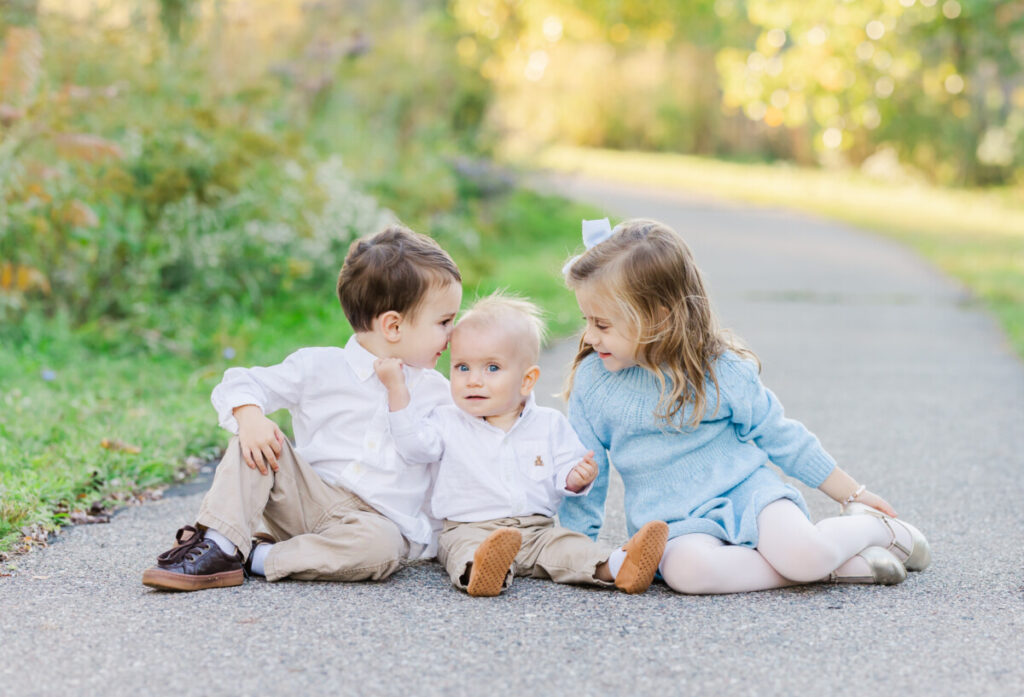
[(325, 532), (548, 551)]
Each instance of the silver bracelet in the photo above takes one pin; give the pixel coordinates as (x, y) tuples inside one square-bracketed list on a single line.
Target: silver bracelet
[(853, 497)]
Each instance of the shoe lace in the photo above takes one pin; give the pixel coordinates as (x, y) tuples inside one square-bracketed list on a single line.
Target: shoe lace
[(184, 550)]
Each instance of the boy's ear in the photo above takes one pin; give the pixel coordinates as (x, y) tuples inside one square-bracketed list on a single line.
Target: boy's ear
[(529, 380), (389, 324)]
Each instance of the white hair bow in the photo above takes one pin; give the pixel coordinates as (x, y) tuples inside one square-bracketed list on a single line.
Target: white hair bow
[(594, 232)]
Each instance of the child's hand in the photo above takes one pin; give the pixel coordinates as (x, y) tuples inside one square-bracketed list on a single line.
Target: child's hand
[(869, 498), (261, 439), (389, 372), (582, 474)]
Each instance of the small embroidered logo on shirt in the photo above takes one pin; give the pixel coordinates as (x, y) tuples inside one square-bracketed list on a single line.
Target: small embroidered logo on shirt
[(538, 462)]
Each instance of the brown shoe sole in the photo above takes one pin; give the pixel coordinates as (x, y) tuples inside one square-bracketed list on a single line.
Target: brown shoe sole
[(643, 554), (170, 581), (492, 561)]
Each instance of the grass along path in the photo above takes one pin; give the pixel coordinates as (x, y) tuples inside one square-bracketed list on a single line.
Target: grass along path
[(975, 236)]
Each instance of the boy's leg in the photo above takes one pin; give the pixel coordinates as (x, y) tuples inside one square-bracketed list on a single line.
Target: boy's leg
[(351, 541), (294, 497), (458, 545), (554, 552)]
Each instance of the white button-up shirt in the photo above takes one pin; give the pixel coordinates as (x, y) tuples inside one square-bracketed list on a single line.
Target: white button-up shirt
[(486, 473), (340, 420)]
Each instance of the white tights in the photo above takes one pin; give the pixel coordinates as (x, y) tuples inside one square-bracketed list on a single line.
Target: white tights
[(790, 550)]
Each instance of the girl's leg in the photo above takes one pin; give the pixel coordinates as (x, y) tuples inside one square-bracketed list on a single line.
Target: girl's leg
[(703, 564), (805, 552)]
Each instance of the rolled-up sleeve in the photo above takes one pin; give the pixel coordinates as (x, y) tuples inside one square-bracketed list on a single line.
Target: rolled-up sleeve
[(270, 388)]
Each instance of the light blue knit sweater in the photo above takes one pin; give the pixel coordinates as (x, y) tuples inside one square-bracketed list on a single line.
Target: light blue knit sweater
[(713, 478)]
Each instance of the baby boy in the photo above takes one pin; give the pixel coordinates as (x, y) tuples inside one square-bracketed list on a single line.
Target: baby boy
[(506, 464)]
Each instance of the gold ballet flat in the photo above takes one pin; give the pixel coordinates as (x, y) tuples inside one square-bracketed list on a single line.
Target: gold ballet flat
[(918, 557), (886, 569)]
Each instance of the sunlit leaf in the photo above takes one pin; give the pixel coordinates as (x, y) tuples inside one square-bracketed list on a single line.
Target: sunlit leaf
[(118, 446), (22, 278)]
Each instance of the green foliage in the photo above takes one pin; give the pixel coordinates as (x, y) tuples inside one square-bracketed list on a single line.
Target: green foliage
[(936, 83), (61, 402), (168, 188)]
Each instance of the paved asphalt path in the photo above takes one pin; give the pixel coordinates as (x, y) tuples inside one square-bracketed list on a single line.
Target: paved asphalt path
[(903, 377)]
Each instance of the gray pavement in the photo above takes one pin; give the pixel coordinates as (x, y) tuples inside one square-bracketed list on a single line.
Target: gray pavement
[(903, 377)]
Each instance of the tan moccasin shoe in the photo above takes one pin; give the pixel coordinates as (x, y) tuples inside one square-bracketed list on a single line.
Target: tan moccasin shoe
[(492, 561), (643, 554)]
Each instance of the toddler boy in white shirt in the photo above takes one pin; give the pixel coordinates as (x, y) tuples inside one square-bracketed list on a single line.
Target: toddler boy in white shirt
[(506, 464), (342, 504)]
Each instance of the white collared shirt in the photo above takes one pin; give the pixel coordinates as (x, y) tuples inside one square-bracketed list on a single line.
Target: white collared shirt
[(486, 473), (340, 420)]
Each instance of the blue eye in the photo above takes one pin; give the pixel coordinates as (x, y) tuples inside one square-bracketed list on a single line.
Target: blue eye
[(462, 368), (492, 368)]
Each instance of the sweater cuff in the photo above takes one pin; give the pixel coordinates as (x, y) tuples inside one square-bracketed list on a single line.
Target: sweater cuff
[(817, 469)]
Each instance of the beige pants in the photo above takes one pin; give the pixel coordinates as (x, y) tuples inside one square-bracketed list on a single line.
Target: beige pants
[(548, 551), (325, 532)]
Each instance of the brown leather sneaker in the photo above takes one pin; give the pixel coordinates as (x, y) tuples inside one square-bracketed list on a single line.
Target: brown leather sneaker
[(643, 554), (194, 564), (492, 561)]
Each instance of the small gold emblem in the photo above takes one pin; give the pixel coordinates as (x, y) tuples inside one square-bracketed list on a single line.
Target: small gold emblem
[(538, 462)]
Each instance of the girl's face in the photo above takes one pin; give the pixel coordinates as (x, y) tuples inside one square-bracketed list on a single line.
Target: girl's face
[(611, 336)]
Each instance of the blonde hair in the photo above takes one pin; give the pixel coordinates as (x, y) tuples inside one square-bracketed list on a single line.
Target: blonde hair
[(648, 272), (511, 314)]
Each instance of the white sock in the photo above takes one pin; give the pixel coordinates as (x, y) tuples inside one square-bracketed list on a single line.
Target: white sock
[(259, 557), (615, 560), (226, 545)]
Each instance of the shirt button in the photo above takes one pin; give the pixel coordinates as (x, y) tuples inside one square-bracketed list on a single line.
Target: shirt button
[(372, 445)]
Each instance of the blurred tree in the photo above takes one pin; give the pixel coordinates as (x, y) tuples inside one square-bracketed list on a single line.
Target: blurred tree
[(174, 15), (936, 85)]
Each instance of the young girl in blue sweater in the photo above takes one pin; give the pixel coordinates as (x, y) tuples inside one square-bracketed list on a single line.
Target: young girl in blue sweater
[(677, 405)]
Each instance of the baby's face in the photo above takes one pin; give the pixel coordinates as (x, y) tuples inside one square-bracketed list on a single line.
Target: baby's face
[(487, 372)]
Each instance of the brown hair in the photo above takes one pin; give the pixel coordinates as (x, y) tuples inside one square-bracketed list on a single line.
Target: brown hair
[(391, 271), (648, 272)]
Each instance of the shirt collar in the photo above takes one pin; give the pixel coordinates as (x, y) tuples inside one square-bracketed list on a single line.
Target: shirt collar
[(359, 359)]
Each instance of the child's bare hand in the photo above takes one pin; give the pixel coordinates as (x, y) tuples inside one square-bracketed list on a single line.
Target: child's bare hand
[(260, 438), (389, 371), (582, 474), (869, 498)]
